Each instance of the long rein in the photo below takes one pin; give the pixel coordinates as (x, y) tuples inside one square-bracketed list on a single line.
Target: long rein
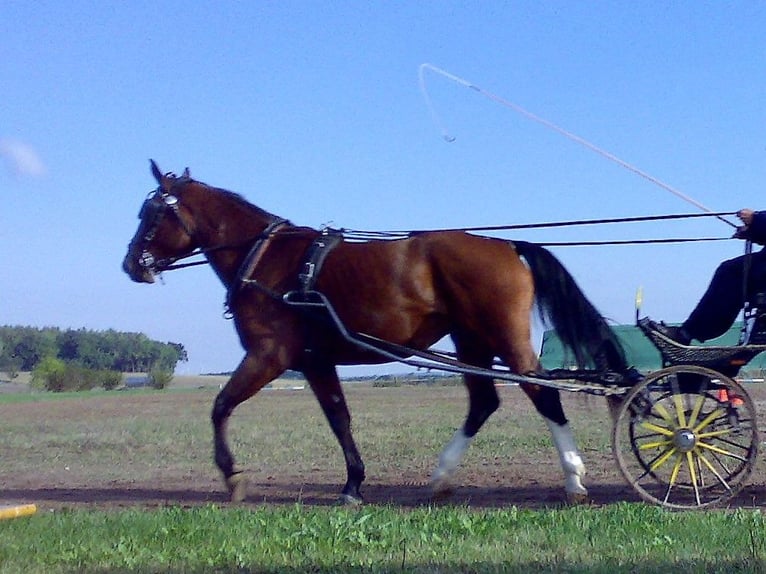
[(360, 235), (363, 235)]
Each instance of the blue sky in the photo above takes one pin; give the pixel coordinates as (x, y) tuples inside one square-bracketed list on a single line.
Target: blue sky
[(313, 111)]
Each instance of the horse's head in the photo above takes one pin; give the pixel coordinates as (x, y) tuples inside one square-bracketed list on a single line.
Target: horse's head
[(165, 230)]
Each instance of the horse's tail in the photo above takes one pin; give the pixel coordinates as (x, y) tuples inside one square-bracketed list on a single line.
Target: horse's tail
[(577, 322)]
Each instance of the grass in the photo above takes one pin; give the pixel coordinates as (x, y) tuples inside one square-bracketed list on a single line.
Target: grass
[(620, 538)]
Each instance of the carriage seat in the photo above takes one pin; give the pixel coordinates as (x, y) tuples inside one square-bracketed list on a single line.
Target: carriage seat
[(727, 360)]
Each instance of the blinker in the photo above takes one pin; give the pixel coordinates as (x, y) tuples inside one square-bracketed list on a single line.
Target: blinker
[(152, 204)]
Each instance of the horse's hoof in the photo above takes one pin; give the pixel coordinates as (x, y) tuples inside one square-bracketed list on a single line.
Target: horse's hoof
[(441, 488), (442, 494), (349, 500), (577, 498), (237, 485)]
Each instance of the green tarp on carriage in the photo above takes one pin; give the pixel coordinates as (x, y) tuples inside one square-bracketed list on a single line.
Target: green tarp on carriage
[(639, 350)]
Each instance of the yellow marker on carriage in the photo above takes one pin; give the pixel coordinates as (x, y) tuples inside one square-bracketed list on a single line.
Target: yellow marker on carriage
[(17, 511)]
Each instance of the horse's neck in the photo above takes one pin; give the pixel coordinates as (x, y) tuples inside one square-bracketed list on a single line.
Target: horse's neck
[(228, 230)]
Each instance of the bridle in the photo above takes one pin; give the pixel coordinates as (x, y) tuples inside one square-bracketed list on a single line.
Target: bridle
[(158, 204)]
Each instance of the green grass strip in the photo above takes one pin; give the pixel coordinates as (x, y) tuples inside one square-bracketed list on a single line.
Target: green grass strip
[(619, 538)]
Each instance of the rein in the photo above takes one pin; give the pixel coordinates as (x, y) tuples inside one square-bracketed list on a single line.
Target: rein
[(364, 235), (361, 235)]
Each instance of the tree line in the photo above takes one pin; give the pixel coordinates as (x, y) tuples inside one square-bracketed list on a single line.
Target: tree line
[(23, 348)]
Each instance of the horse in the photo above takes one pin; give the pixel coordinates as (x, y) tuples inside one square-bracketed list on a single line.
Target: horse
[(410, 291)]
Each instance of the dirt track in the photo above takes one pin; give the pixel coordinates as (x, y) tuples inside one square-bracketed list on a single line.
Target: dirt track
[(526, 478)]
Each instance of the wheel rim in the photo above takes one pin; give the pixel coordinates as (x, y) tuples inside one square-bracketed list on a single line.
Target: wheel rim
[(686, 437)]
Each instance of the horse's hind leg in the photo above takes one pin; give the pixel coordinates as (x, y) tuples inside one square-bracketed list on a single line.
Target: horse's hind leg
[(483, 402), (518, 354), (547, 401), (324, 381)]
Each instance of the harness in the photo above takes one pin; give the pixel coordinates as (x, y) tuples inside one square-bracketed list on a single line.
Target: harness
[(315, 257), (314, 260)]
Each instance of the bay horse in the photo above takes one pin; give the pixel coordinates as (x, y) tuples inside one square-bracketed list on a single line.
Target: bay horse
[(410, 291)]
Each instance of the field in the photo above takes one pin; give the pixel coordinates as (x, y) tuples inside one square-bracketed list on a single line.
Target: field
[(148, 448), (123, 453)]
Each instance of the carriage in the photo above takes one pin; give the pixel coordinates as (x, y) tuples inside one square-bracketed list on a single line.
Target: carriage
[(684, 436)]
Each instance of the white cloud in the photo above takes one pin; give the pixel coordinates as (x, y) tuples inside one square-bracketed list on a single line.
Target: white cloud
[(21, 158)]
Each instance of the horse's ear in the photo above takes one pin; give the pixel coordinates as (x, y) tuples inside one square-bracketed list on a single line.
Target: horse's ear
[(156, 171), (186, 174)]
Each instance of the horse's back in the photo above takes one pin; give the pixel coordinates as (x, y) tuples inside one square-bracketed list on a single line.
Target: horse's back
[(485, 279), (418, 289), (430, 259)]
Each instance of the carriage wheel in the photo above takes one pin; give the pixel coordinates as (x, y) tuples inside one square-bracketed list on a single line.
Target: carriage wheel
[(686, 437)]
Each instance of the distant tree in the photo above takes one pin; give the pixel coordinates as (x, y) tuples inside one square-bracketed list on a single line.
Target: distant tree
[(22, 348), (32, 345), (8, 364)]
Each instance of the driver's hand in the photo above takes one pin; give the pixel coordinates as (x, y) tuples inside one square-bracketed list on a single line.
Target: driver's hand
[(745, 216)]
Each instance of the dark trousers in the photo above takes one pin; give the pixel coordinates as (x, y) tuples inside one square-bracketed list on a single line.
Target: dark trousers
[(725, 296)]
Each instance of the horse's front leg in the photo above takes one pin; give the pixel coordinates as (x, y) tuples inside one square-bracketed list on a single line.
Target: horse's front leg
[(249, 378), (548, 404), (326, 386)]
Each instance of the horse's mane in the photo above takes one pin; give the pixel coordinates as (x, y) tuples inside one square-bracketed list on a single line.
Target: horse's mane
[(236, 198)]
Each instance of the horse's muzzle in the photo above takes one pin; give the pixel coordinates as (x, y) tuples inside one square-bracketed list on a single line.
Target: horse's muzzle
[(135, 270)]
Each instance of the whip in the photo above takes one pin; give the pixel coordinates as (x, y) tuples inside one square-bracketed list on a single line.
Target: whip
[(569, 135)]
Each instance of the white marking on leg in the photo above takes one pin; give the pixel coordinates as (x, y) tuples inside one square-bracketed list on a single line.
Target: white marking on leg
[(571, 462), (449, 460)]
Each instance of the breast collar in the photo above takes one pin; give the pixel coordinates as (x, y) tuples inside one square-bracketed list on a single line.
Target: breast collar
[(250, 262)]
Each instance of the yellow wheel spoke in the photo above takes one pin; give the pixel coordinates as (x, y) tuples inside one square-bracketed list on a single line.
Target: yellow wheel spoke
[(709, 419), (712, 434), (658, 444), (663, 459), (712, 469), (663, 412), (719, 450), (656, 428), (696, 410), (693, 475), (676, 468)]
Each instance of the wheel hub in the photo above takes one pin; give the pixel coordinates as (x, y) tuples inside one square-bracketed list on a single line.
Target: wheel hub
[(684, 439)]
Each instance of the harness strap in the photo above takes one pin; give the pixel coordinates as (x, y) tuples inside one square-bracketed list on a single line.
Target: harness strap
[(251, 261), (315, 257), (256, 251)]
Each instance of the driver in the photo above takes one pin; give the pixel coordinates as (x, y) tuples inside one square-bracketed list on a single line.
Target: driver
[(721, 303)]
